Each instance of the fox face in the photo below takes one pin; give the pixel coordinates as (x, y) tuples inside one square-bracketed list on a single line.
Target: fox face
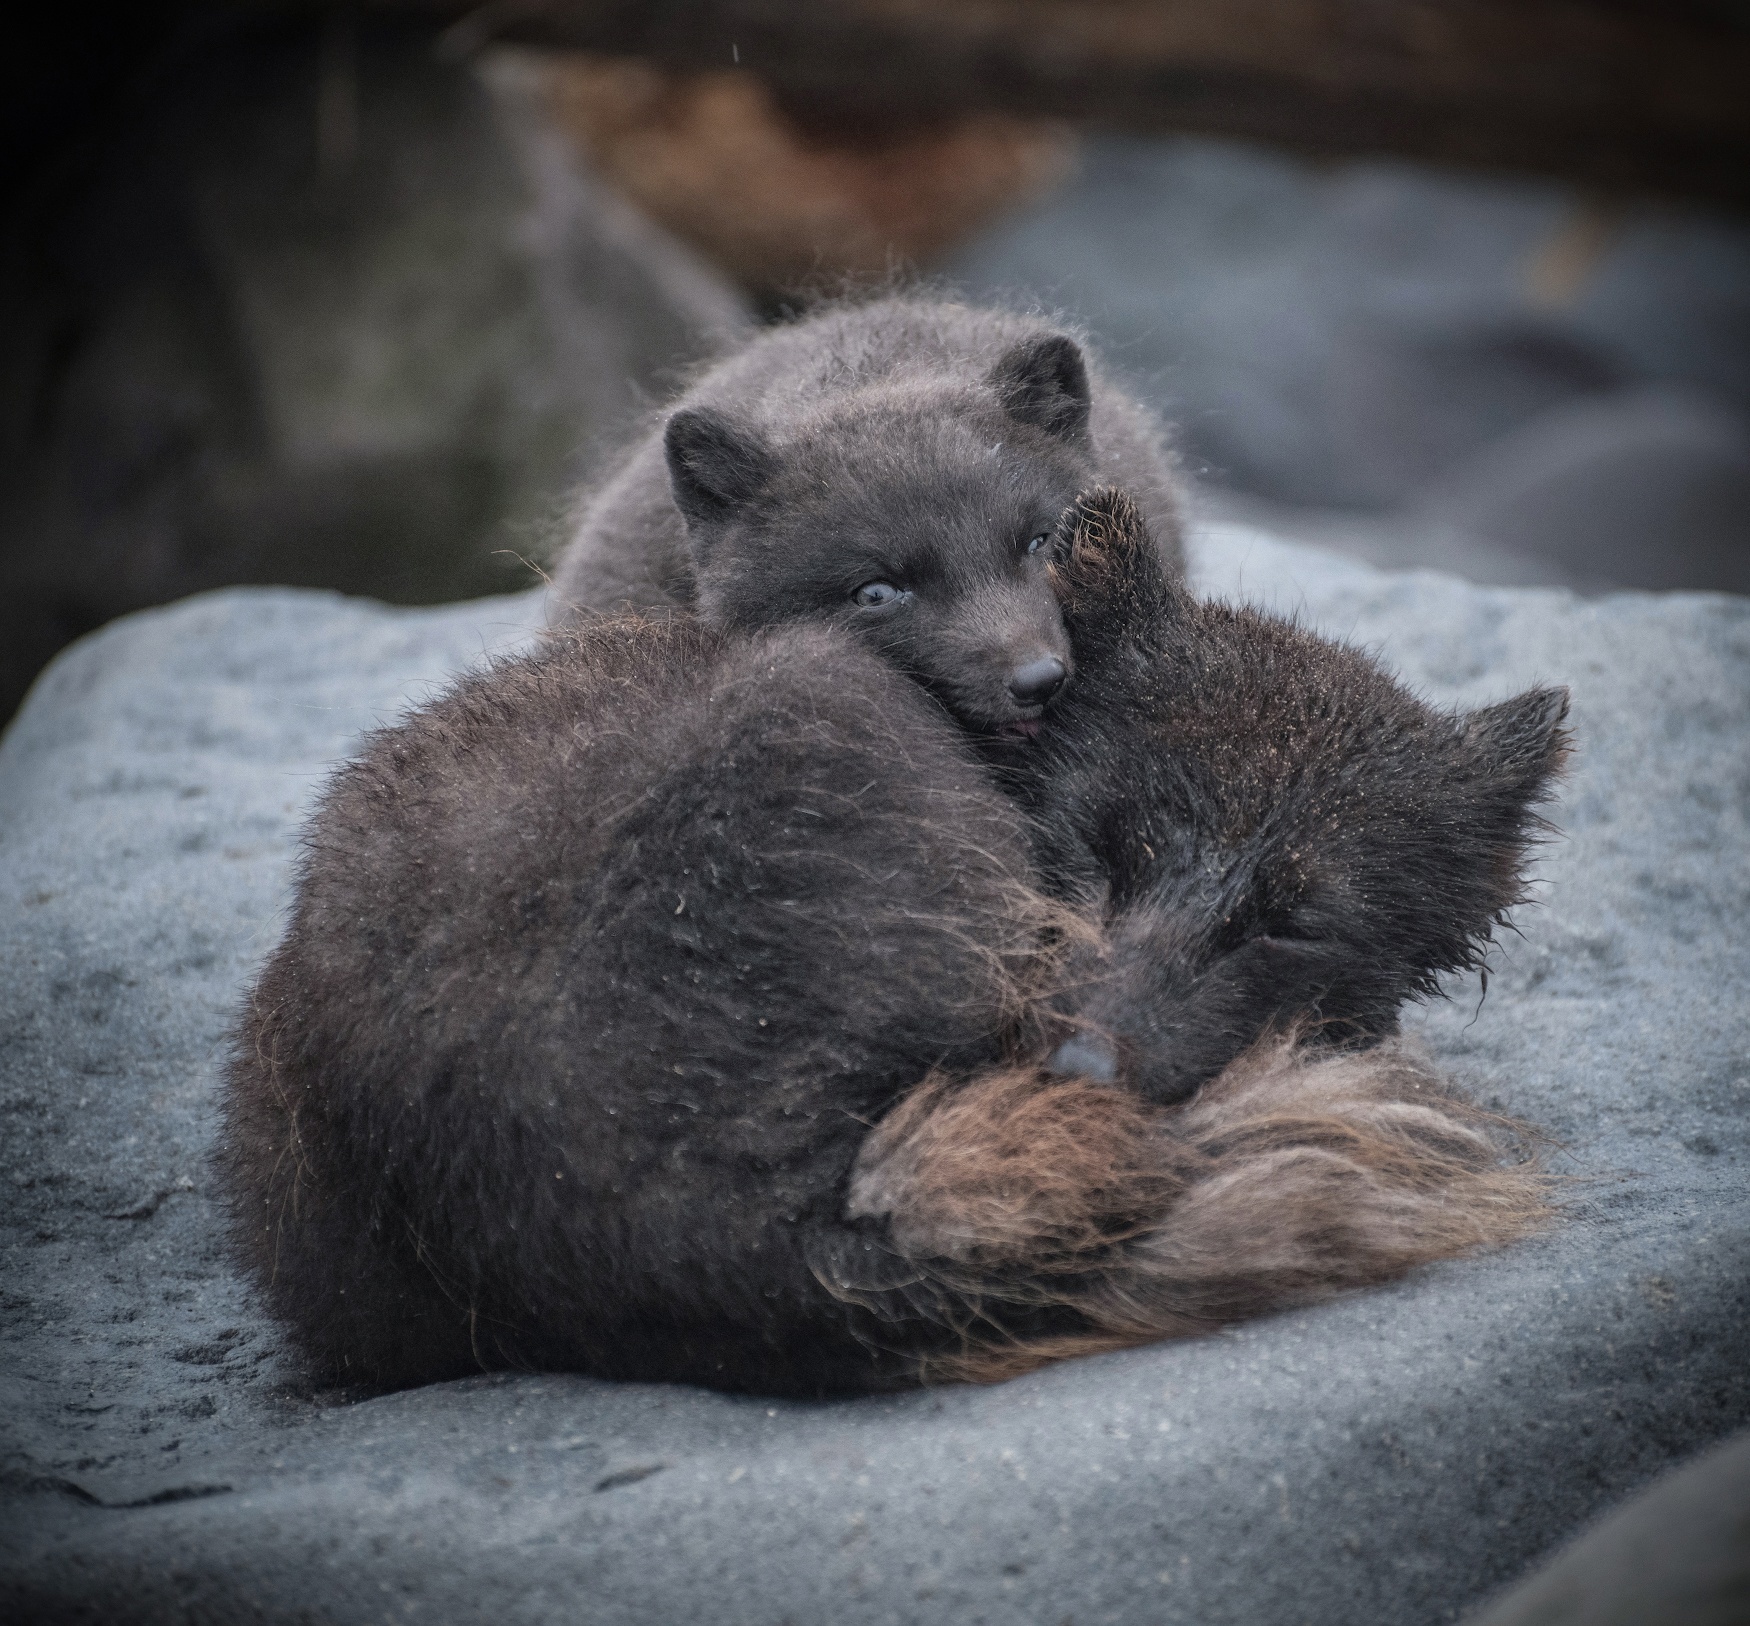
[(920, 517)]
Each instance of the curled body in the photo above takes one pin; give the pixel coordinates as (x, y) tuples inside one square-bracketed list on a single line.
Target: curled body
[(1272, 829), (673, 1004), (600, 967)]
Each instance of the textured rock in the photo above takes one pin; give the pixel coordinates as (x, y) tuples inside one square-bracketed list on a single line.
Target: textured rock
[(1391, 1457)]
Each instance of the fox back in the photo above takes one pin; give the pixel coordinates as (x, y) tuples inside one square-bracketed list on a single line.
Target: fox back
[(599, 970)]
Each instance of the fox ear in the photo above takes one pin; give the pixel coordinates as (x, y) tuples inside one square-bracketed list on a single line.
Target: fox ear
[(1043, 382), (1521, 742), (714, 465), (1510, 758)]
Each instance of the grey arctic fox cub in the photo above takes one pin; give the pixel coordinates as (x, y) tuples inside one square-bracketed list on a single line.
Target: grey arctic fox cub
[(675, 1002), (897, 469)]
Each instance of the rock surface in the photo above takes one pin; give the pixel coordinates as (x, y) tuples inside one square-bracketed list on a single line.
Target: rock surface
[(1391, 1457)]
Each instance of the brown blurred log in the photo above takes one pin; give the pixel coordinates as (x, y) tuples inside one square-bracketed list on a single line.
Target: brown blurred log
[(709, 154), (1623, 95), (1620, 95)]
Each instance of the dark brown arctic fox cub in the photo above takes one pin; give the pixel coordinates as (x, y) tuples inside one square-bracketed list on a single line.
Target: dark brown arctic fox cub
[(1274, 828), (897, 469), (669, 1004), (599, 970)]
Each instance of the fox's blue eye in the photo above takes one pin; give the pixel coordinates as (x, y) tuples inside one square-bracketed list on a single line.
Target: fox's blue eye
[(874, 595), (1039, 543)]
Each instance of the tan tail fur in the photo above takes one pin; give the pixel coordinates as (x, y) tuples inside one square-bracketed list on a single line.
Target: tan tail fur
[(1297, 1173)]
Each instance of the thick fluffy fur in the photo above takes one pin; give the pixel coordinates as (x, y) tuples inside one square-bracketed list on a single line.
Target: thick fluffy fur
[(913, 447), (603, 966), (1295, 1174), (600, 968), (1274, 828)]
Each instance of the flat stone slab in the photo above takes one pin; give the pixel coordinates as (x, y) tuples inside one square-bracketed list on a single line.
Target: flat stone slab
[(1390, 1457)]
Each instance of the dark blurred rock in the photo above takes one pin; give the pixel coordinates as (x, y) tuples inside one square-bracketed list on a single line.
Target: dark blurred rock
[(1645, 487), (1641, 488), (1643, 94), (1385, 1459), (317, 308), (1406, 401), (1677, 1555)]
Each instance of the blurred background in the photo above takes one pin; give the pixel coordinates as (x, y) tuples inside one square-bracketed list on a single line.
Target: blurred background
[(354, 297)]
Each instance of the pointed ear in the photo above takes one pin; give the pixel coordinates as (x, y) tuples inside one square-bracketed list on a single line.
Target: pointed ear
[(714, 465), (1511, 756), (1521, 742), (1044, 382)]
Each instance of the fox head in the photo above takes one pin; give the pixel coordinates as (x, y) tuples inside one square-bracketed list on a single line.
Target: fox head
[(920, 516)]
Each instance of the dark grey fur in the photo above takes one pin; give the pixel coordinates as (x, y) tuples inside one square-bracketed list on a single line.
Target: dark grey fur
[(914, 446), (603, 965)]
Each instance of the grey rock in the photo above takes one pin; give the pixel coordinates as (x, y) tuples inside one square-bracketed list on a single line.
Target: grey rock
[(320, 309), (1649, 485), (1345, 335), (1676, 1555), (1389, 541), (1395, 1456)]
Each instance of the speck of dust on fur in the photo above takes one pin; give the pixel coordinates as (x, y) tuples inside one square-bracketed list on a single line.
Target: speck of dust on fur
[(1233, 854)]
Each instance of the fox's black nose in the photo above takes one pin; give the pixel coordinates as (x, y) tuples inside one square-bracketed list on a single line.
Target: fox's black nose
[(1037, 681)]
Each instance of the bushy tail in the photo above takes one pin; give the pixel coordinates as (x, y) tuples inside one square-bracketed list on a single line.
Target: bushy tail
[(1018, 1202)]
